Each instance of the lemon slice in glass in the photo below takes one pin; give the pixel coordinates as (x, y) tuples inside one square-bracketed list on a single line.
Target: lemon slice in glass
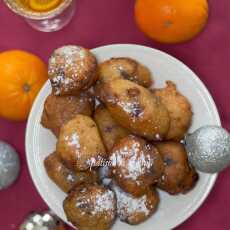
[(43, 5)]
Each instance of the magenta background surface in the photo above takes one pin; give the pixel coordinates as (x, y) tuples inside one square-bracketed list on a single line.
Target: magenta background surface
[(103, 22)]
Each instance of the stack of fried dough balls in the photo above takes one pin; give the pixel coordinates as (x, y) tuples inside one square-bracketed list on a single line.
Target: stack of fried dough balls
[(117, 139)]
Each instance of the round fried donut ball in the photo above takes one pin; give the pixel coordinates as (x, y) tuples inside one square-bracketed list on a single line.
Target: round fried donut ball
[(125, 68), (65, 178), (71, 69), (79, 144), (110, 130), (136, 164), (90, 207), (178, 176), (58, 110), (135, 108), (135, 210), (179, 109)]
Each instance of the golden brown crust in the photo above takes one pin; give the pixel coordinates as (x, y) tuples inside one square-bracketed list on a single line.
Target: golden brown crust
[(190, 180), (58, 110), (90, 207), (178, 176), (135, 210), (110, 130), (135, 108), (58, 173), (179, 110), (124, 68), (72, 69), (136, 164), (79, 144), (65, 178)]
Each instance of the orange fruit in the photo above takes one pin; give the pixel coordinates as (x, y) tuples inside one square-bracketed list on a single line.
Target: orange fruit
[(43, 5), (21, 76), (171, 21)]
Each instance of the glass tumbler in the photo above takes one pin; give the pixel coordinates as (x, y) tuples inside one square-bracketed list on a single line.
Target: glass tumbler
[(49, 21)]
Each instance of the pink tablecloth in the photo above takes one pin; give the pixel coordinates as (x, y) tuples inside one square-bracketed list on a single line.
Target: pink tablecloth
[(102, 22)]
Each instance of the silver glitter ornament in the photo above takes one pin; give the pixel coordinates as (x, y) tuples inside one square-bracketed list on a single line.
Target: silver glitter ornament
[(41, 221), (208, 149), (9, 165)]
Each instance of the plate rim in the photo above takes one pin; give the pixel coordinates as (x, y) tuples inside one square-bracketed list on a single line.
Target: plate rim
[(213, 178)]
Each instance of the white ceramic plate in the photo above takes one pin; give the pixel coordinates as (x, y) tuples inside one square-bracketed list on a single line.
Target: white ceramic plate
[(173, 210)]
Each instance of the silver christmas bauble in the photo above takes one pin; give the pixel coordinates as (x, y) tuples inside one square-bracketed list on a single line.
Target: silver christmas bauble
[(41, 221), (208, 149), (9, 165)]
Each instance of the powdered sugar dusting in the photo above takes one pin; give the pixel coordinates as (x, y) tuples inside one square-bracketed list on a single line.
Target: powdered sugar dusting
[(73, 140), (65, 66), (132, 108), (128, 205), (102, 203), (133, 159), (56, 82), (71, 178)]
